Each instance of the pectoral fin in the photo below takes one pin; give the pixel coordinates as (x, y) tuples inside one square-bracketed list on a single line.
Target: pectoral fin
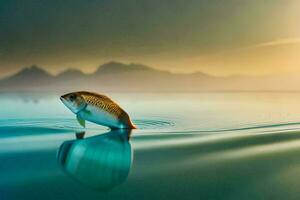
[(80, 121)]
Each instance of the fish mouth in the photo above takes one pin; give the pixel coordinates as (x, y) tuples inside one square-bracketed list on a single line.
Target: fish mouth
[(63, 99)]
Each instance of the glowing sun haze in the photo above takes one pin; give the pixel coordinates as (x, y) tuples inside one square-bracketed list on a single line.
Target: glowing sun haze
[(220, 37)]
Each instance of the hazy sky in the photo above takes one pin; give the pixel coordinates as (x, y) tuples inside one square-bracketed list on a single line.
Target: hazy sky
[(220, 37)]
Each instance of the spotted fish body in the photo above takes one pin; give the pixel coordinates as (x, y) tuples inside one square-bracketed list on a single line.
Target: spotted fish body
[(97, 108)]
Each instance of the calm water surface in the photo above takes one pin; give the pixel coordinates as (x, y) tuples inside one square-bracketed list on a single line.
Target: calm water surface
[(188, 146)]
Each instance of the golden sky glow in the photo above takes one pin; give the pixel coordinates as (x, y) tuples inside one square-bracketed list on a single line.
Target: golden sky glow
[(251, 37)]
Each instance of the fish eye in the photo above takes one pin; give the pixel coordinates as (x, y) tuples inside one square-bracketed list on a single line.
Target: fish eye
[(72, 97)]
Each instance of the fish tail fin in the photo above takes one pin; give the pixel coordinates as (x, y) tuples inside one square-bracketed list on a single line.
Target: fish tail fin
[(131, 125), (126, 120)]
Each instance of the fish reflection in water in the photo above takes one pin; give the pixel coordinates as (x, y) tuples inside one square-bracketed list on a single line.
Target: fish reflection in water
[(100, 162)]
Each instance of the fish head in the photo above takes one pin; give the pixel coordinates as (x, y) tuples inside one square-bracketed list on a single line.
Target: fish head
[(74, 101)]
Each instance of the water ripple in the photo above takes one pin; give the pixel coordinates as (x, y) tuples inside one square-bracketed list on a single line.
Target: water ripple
[(153, 124), (145, 126)]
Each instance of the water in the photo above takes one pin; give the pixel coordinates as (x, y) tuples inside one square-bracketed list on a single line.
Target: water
[(188, 146)]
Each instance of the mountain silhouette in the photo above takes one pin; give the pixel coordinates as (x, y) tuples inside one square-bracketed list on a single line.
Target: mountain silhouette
[(116, 67), (120, 77), (70, 74), (28, 77), (29, 73)]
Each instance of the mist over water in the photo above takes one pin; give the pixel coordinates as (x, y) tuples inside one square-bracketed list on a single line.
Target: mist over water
[(188, 146)]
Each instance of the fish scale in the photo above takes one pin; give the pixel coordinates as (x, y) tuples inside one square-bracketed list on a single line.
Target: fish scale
[(105, 104)]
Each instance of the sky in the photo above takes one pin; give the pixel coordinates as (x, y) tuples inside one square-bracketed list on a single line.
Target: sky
[(219, 37)]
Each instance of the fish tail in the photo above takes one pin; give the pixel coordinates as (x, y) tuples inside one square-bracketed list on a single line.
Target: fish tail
[(126, 120), (131, 125)]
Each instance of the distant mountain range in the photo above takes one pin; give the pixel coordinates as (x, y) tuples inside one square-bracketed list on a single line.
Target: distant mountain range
[(119, 77)]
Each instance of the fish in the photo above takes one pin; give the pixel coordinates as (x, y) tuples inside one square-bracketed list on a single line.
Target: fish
[(97, 108)]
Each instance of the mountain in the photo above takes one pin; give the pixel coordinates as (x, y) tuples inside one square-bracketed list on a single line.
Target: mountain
[(116, 67), (70, 74), (28, 77), (30, 73), (119, 77)]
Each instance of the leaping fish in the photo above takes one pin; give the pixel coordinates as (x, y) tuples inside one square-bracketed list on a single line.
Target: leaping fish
[(97, 108)]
